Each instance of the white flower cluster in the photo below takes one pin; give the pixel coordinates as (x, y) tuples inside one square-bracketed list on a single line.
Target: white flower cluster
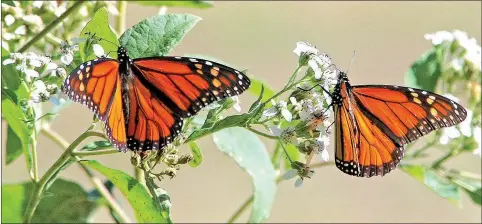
[(464, 128), (467, 50)]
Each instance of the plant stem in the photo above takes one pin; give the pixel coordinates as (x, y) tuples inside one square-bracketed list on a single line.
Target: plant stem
[(111, 202), (293, 76), (121, 18), (39, 187), (33, 143), (95, 153), (442, 159), (141, 177), (51, 26), (284, 90), (261, 133)]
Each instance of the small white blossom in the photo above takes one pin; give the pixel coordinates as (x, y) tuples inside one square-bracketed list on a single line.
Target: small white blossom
[(477, 137), (8, 36), (8, 61), (464, 128), (286, 135), (9, 20), (21, 30), (237, 104), (299, 182), (322, 144), (439, 37), (290, 174), (98, 50), (305, 48), (278, 107), (33, 20), (67, 52), (37, 4), (297, 106), (317, 62), (67, 58), (40, 93)]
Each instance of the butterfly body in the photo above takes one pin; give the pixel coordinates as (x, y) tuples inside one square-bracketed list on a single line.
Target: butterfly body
[(375, 122), (143, 102)]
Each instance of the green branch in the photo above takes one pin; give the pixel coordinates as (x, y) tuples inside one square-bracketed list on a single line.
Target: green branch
[(39, 187), (51, 26)]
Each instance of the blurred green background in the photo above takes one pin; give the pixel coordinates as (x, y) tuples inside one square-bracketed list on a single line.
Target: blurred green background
[(260, 36)]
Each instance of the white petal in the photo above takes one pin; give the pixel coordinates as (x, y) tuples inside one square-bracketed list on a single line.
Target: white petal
[(237, 107), (21, 30), (98, 50), (8, 61), (293, 101), (270, 112), (316, 68), (324, 156), (298, 182), (304, 47), (465, 126), (439, 37), (9, 20), (35, 63), (290, 174), (40, 86), (286, 114), (444, 139), (37, 4), (30, 73), (67, 58), (457, 64), (275, 130)]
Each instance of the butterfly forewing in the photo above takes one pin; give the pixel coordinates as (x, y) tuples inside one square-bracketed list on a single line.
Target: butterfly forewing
[(97, 85)]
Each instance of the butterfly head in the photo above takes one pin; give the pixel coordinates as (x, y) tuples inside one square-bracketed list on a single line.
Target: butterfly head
[(122, 55)]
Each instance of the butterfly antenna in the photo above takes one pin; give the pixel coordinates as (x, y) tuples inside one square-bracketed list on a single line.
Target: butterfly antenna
[(317, 85), (351, 63), (102, 39)]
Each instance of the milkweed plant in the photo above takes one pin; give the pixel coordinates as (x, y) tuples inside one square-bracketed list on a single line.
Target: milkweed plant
[(42, 42)]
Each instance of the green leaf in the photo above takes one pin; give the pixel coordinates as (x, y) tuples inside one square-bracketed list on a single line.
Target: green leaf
[(14, 146), (55, 207), (439, 185), (256, 86), (98, 26), (157, 35), (231, 121), (187, 4), (9, 2), (425, 72), (196, 153), (144, 207), (15, 118), (472, 187), (251, 155)]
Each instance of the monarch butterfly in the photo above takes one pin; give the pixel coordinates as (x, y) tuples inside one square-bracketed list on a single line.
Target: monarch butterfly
[(374, 122), (143, 102)]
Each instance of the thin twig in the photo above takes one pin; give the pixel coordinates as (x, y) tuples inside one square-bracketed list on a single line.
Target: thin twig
[(51, 26)]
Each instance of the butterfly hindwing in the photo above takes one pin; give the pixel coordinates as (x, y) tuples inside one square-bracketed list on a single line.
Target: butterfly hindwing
[(97, 85)]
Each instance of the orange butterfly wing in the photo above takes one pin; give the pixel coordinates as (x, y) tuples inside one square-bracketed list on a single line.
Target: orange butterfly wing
[(97, 85), (165, 90), (375, 122)]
